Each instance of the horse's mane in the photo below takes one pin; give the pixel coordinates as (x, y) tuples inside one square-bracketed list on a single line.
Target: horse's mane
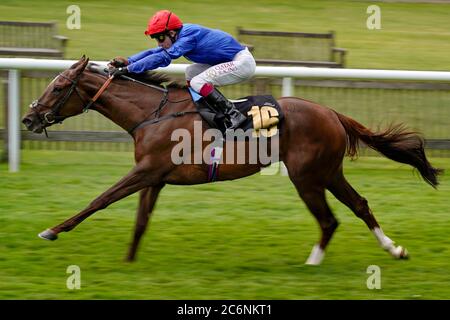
[(149, 77)]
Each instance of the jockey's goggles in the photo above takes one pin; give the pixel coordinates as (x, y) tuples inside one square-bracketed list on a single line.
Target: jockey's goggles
[(160, 37)]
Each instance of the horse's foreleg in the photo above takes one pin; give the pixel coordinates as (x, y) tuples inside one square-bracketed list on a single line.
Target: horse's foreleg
[(132, 182), (344, 192), (147, 200)]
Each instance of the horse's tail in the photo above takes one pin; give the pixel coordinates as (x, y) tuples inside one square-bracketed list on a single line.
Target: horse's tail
[(395, 143)]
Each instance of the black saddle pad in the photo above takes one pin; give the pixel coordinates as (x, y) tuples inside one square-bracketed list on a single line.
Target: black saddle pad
[(262, 112)]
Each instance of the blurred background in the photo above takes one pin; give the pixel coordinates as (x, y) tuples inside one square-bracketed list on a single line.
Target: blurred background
[(246, 239)]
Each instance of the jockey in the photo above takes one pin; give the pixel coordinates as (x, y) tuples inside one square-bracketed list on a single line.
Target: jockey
[(218, 59)]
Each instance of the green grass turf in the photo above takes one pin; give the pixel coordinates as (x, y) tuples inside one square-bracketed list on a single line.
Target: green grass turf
[(245, 239), (412, 35)]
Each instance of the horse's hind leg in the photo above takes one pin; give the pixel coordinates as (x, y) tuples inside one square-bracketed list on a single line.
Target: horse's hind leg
[(314, 198), (344, 192), (147, 200)]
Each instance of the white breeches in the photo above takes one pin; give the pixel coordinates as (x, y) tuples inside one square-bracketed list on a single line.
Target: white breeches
[(240, 69)]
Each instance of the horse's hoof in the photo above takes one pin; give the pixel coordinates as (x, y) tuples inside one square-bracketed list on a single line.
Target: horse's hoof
[(403, 254), (48, 235), (400, 253)]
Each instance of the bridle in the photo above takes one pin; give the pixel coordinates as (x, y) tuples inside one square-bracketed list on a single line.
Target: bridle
[(53, 116)]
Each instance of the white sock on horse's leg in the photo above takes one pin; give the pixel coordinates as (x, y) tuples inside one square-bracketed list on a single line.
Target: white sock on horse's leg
[(387, 244), (316, 256)]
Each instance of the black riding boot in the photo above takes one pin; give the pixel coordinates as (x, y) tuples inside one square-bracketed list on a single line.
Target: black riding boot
[(216, 98)]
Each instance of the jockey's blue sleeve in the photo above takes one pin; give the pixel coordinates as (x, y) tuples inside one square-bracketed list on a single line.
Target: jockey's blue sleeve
[(150, 62), (152, 59), (140, 55)]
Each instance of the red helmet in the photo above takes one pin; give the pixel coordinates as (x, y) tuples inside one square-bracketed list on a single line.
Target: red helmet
[(162, 21)]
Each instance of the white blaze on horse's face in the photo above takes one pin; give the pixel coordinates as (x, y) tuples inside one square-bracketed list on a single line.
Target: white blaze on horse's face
[(54, 79), (34, 103)]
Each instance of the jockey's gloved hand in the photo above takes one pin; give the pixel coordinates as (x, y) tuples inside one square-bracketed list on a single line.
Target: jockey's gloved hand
[(118, 62), (117, 72)]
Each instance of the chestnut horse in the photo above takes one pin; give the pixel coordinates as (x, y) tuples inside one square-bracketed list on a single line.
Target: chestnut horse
[(313, 142)]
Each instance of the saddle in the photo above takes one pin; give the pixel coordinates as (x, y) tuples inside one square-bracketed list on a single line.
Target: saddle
[(264, 115)]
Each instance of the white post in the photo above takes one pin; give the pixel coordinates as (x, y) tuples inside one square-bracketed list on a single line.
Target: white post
[(13, 120), (286, 87), (287, 90)]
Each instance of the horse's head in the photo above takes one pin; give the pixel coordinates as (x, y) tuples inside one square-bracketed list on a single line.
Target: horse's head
[(58, 101)]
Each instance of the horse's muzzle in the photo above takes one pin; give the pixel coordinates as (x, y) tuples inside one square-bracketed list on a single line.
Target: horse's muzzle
[(32, 123)]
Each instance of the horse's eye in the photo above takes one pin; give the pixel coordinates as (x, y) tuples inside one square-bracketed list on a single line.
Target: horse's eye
[(56, 90)]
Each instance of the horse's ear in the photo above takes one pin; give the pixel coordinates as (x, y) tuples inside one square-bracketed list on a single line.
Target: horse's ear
[(79, 62), (80, 65), (83, 65)]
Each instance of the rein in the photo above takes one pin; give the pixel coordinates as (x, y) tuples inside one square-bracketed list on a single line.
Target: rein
[(99, 92)]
